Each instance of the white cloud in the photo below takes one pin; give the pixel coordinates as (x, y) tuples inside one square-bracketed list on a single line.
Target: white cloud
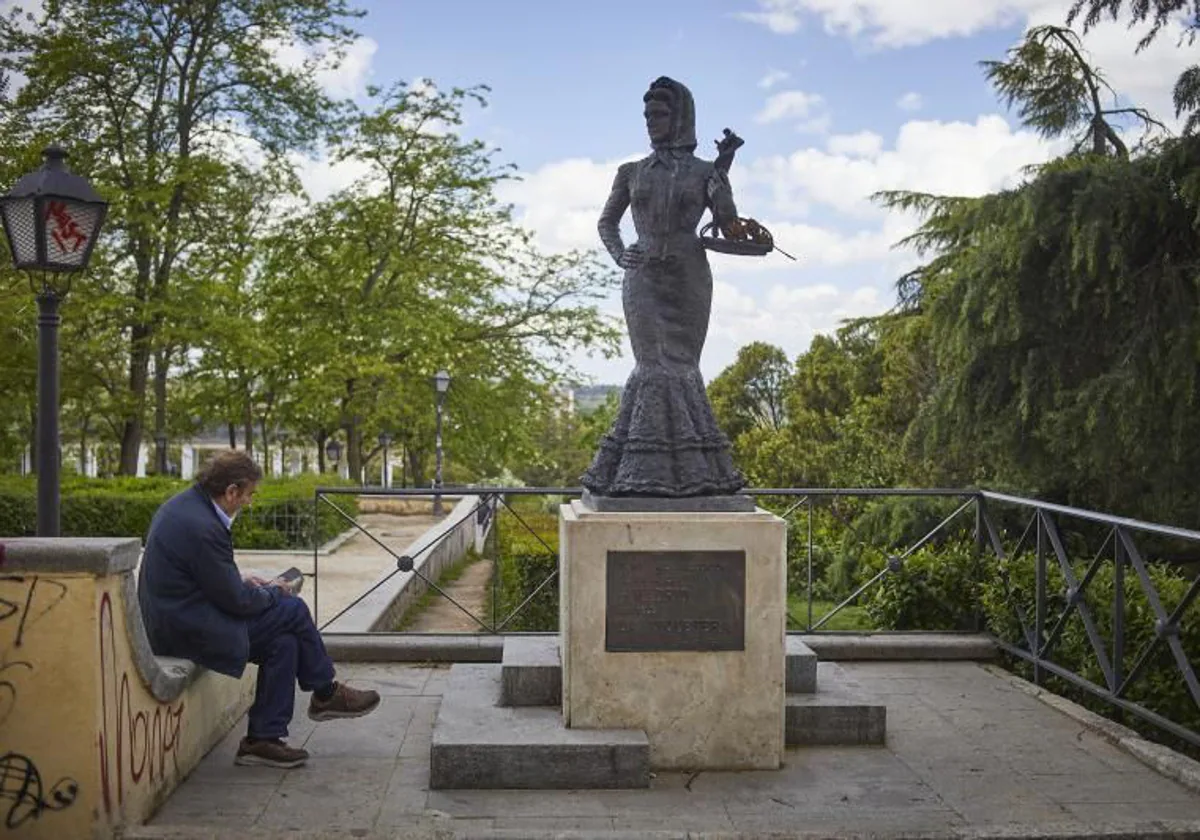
[(339, 76), (895, 23), (910, 101), (561, 201), (321, 177), (1144, 78), (955, 158), (788, 316), (789, 104), (817, 125), (776, 16), (773, 78), (862, 144)]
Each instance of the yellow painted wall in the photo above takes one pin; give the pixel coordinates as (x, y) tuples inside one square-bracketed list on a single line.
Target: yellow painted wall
[(47, 694), (86, 745)]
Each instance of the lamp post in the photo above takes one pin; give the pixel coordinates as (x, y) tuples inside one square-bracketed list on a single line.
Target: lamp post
[(385, 474), (160, 453), (441, 383), (52, 218), (333, 451)]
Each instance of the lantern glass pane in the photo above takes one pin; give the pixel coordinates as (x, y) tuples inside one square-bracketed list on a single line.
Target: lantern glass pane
[(18, 218), (70, 227)]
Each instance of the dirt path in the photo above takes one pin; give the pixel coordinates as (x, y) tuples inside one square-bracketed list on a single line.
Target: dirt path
[(471, 590)]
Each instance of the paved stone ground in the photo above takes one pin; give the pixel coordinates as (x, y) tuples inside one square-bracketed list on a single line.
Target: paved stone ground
[(471, 591), (968, 754)]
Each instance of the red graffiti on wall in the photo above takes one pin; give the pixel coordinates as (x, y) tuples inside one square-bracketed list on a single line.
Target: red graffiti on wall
[(144, 740)]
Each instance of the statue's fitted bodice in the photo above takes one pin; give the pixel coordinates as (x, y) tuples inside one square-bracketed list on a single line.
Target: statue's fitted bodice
[(667, 194)]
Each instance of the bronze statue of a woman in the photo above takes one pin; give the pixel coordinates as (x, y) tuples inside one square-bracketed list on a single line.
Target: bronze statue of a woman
[(665, 441)]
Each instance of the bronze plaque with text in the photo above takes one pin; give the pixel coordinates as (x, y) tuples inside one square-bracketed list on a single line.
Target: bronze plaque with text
[(675, 600)]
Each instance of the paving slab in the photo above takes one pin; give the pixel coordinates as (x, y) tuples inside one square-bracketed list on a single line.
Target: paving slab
[(942, 774)]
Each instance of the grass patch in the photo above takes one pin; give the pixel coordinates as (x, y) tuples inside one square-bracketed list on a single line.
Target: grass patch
[(449, 576), (849, 618)]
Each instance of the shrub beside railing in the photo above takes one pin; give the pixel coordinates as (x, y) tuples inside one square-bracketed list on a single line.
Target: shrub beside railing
[(523, 563), (282, 516), (1160, 688)]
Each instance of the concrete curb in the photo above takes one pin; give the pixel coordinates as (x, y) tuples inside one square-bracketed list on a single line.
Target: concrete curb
[(900, 647), (485, 647), (384, 647), (1164, 760), (442, 828)]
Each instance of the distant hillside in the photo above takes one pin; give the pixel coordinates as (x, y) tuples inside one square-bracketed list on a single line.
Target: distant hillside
[(590, 397)]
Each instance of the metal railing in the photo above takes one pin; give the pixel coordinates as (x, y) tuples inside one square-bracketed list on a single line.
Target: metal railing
[(1040, 637), (1042, 542), (485, 515)]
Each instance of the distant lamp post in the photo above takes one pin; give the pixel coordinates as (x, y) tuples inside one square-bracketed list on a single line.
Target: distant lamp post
[(333, 451), (51, 218), (441, 383), (385, 475), (160, 454)]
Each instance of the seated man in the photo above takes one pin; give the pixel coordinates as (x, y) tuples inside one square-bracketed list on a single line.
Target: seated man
[(196, 605)]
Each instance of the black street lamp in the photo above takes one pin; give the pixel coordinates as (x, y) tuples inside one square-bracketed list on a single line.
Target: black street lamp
[(441, 383), (384, 440), (51, 218), (333, 451), (160, 453)]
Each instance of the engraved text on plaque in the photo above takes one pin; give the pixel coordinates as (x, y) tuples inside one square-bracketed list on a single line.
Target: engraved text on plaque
[(675, 600)]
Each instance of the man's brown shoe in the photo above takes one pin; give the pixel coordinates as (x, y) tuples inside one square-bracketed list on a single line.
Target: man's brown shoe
[(346, 702), (269, 753)]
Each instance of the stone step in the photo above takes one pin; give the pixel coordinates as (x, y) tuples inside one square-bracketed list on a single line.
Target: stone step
[(479, 744), (841, 714), (531, 672), (801, 674)]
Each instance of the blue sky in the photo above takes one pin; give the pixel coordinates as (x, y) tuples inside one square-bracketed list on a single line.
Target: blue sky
[(569, 83), (835, 98)]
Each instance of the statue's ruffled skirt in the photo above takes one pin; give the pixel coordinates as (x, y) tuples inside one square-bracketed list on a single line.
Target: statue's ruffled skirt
[(665, 441)]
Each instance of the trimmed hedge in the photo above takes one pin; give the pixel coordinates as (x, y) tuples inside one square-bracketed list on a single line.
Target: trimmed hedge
[(522, 564), (280, 518)]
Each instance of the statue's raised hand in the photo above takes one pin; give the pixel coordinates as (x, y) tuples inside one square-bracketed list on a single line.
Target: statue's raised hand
[(727, 146)]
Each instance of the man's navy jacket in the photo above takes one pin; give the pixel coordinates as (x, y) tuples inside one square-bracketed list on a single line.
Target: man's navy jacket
[(194, 602)]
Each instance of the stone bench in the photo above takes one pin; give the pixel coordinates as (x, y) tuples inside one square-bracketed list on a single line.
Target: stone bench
[(98, 729)]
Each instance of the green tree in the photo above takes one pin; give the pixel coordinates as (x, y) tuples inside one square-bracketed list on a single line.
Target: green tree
[(417, 267), (1065, 339), (154, 92), (751, 392), (1058, 92), (1160, 14)]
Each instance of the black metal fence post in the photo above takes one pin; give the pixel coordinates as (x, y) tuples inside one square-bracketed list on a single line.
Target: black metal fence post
[(1039, 620)]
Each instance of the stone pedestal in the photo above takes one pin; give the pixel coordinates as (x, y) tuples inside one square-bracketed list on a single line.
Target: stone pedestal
[(674, 624)]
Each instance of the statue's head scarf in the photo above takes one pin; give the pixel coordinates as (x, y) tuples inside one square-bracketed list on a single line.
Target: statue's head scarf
[(683, 114)]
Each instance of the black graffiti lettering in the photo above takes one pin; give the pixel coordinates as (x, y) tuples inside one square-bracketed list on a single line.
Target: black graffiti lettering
[(8, 689), (34, 608), (21, 783)]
